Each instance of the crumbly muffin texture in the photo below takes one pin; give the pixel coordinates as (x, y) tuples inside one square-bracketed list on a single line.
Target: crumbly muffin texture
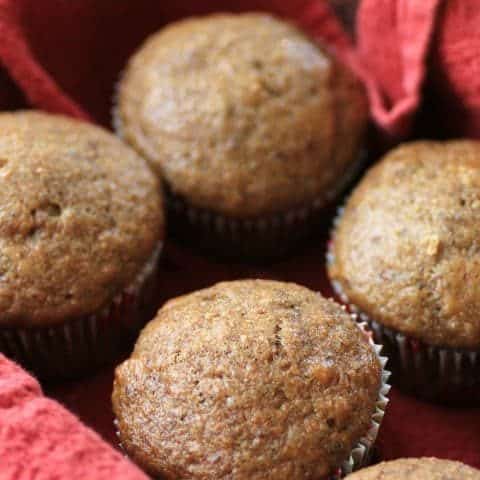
[(246, 380), (80, 216), (417, 469), (407, 248), (242, 114)]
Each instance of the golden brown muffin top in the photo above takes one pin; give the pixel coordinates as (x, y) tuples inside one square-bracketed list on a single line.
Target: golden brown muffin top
[(407, 249), (417, 469), (249, 379), (80, 215), (241, 114)]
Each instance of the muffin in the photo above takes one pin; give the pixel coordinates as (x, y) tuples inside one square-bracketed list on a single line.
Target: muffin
[(405, 253), (252, 127), (417, 469), (250, 379), (81, 226)]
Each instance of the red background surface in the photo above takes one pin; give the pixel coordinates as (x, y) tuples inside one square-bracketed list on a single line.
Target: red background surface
[(65, 57)]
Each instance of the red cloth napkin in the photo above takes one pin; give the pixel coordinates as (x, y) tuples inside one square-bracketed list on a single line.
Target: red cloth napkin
[(40, 440), (413, 48)]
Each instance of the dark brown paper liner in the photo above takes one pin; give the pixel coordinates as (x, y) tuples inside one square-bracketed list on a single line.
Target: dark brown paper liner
[(361, 453), (265, 237), (443, 374), (431, 372), (257, 238), (82, 344)]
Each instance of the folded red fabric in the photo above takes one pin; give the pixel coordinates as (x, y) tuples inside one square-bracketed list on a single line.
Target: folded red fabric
[(411, 48), (40, 440)]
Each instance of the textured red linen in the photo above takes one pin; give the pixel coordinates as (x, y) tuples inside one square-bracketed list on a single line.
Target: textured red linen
[(65, 56), (40, 440), (393, 42), (415, 47)]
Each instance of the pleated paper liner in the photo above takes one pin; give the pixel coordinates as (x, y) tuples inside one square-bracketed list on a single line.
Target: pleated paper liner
[(361, 453), (434, 373), (258, 238), (80, 345), (450, 376)]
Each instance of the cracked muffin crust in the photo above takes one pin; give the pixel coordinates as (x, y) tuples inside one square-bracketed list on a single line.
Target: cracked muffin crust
[(250, 379), (406, 250), (80, 217), (417, 469), (242, 114)]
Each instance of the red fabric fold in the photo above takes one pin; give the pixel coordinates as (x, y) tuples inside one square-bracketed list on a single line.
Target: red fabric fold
[(412, 49), (40, 440), (16, 387), (18, 58), (455, 67), (394, 37)]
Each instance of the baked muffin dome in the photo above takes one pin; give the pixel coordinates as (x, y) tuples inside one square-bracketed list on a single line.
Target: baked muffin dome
[(417, 469), (242, 114), (80, 217), (248, 379), (407, 251)]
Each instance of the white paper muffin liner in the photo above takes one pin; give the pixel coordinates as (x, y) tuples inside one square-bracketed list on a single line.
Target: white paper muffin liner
[(361, 453), (81, 344), (428, 371)]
